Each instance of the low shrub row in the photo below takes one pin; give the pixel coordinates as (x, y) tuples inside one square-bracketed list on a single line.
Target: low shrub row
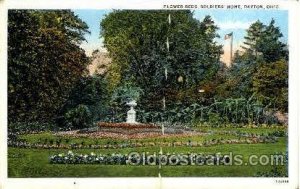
[(18, 128), (218, 113), (245, 134), (140, 159)]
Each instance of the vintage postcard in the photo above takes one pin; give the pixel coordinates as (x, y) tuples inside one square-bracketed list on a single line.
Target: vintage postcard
[(162, 94)]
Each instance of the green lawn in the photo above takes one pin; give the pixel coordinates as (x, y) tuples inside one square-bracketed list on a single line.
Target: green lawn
[(35, 162)]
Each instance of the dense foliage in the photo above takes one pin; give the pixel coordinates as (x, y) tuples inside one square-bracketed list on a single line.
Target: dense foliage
[(163, 58), (44, 62), (79, 117), (89, 92), (264, 41), (220, 113), (270, 84), (260, 70)]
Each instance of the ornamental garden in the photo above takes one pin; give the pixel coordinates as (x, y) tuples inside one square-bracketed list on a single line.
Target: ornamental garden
[(159, 101)]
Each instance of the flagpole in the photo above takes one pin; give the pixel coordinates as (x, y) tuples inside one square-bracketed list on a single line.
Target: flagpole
[(231, 49), (166, 70), (166, 76)]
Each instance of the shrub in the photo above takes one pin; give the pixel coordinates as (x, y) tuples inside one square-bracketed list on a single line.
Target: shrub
[(18, 128), (79, 117), (278, 134), (214, 118), (127, 93)]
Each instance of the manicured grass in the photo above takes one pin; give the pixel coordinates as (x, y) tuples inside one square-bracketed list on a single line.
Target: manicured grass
[(35, 162)]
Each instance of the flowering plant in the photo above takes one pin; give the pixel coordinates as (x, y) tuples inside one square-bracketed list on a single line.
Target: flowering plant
[(126, 125)]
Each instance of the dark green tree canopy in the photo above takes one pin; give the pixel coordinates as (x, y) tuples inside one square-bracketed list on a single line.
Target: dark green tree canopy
[(261, 69), (264, 40), (137, 43), (44, 61)]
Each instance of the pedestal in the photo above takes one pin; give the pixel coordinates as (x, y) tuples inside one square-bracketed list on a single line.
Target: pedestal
[(131, 116)]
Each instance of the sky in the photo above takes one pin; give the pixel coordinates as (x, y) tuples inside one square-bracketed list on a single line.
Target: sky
[(236, 21), (92, 18)]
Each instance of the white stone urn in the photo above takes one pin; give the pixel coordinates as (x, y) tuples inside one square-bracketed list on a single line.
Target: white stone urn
[(131, 114)]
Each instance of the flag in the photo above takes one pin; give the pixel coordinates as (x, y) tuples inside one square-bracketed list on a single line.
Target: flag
[(169, 18), (227, 36)]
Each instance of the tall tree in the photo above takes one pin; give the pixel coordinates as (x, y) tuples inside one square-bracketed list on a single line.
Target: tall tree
[(90, 91), (261, 69), (270, 84), (44, 61), (162, 54), (264, 40)]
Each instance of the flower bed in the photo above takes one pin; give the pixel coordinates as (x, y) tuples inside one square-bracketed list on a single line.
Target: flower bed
[(140, 159), (130, 131), (245, 134), (134, 133), (129, 144), (126, 125)]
